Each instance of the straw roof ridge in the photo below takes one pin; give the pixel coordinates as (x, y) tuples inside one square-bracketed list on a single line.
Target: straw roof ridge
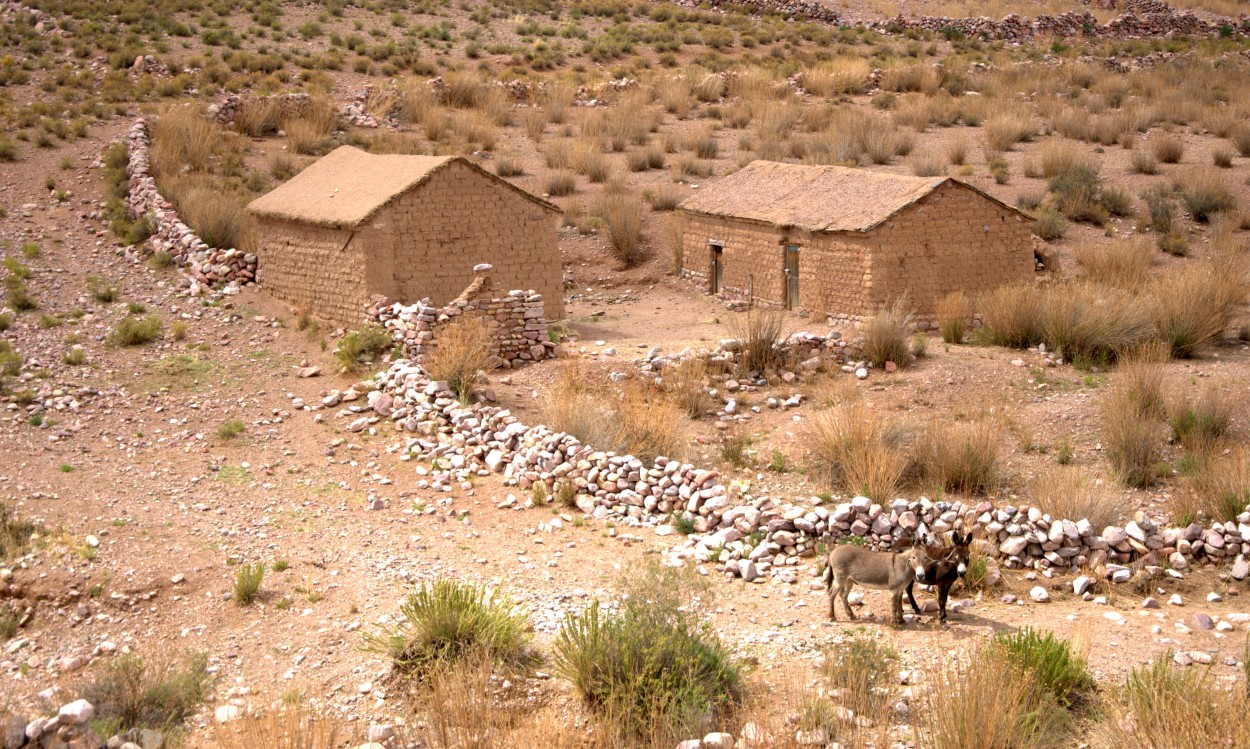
[(347, 186), (816, 198)]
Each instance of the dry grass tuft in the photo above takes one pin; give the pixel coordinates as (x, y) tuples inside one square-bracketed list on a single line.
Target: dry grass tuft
[(463, 349), (1195, 304), (758, 331), (1092, 325), (622, 214), (1013, 315), (1133, 444), (1167, 148), (854, 450), (1205, 193), (884, 337), (1071, 493), (288, 727), (1005, 130), (684, 386), (961, 457), (954, 313), (1218, 491), (637, 421), (837, 77), (182, 138), (927, 163), (1140, 378)]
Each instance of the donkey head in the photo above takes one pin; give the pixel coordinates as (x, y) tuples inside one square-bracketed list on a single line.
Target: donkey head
[(915, 558), (958, 554)]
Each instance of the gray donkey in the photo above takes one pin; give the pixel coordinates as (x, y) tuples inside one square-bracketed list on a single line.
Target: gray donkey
[(881, 570)]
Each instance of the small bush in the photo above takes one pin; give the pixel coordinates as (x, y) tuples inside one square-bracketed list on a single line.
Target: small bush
[(654, 669), (463, 348), (1194, 305), (927, 164), (1222, 157), (285, 727), (884, 337), (853, 450), (136, 331), (1167, 148), (247, 580), (1143, 162), (230, 429), (15, 534), (1199, 424), (362, 347), (75, 357), (1073, 494), (1051, 662), (684, 385), (129, 692), (758, 331), (1125, 264), (1005, 130), (1240, 138), (1161, 207), (561, 183), (961, 457), (101, 290), (1205, 193), (954, 313), (447, 621), (1141, 379), (1133, 444), (1012, 315), (1092, 325), (1220, 490), (622, 215), (1050, 224)]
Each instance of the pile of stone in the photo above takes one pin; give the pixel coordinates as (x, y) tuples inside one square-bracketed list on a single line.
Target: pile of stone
[(809, 351), (519, 324), (148, 64), (354, 112), (12, 10), (753, 537), (69, 728), (204, 265)]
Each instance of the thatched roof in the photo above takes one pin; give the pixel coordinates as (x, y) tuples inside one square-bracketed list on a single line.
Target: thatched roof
[(344, 188), (815, 198)]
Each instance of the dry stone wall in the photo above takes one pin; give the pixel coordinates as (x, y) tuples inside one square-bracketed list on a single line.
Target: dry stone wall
[(520, 324), (759, 537), (204, 265)]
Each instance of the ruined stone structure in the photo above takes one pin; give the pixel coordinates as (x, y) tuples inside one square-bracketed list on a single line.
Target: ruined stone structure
[(355, 225), (847, 241)]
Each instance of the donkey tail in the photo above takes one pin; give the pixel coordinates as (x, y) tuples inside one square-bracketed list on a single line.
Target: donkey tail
[(827, 576)]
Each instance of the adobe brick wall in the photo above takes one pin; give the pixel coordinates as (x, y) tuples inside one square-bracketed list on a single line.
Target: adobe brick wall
[(434, 235), (313, 268), (952, 239)]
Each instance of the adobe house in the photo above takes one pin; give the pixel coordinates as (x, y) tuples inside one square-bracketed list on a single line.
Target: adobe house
[(846, 241), (354, 224)]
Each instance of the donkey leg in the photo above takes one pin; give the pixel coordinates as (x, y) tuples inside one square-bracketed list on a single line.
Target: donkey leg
[(896, 606), (846, 599), (944, 590), (833, 598), (912, 598)]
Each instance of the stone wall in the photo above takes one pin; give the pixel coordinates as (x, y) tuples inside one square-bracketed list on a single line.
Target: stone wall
[(518, 316), (754, 537), (203, 264)]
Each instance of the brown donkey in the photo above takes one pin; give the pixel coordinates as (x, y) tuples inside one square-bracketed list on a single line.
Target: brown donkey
[(942, 568), (881, 570)]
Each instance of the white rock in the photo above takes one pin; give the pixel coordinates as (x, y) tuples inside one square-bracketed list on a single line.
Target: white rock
[(1039, 594), (226, 713), (76, 713)]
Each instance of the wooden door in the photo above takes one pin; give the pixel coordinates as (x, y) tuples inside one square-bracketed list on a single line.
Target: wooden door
[(718, 268), (792, 276)]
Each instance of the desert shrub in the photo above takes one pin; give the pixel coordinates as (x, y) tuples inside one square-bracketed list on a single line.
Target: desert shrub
[(1167, 148), (561, 182), (136, 331), (17, 296), (219, 217), (1194, 305), (985, 701), (1141, 379), (884, 337), (927, 164), (10, 360), (247, 582), (230, 429), (100, 289), (1055, 157), (1199, 424), (15, 534), (654, 669), (1050, 224), (1132, 443), (1220, 490), (1163, 705), (182, 137), (1143, 162), (1012, 315), (257, 116), (1077, 194), (684, 385), (664, 198), (285, 727), (637, 421), (463, 348), (1000, 169), (1205, 193), (6, 321), (841, 75), (362, 347), (622, 215), (1240, 138), (758, 332), (1115, 200), (508, 167), (1068, 492), (1123, 263), (856, 451), (954, 313), (1222, 157), (1092, 325), (1051, 662), (1005, 130), (862, 667), (704, 144), (961, 457), (447, 621), (131, 692), (1161, 207), (957, 151)]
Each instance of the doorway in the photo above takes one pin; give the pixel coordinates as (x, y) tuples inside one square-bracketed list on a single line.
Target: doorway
[(718, 267), (792, 276)]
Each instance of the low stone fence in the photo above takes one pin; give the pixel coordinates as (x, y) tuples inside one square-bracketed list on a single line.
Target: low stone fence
[(803, 351), (294, 105), (520, 325), (757, 536), (204, 264)]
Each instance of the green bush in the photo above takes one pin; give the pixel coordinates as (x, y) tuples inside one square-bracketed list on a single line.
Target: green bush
[(444, 622), (1050, 224), (136, 331), (1052, 663), (361, 347), (230, 429), (247, 580), (653, 668), (101, 290), (15, 534), (129, 692)]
